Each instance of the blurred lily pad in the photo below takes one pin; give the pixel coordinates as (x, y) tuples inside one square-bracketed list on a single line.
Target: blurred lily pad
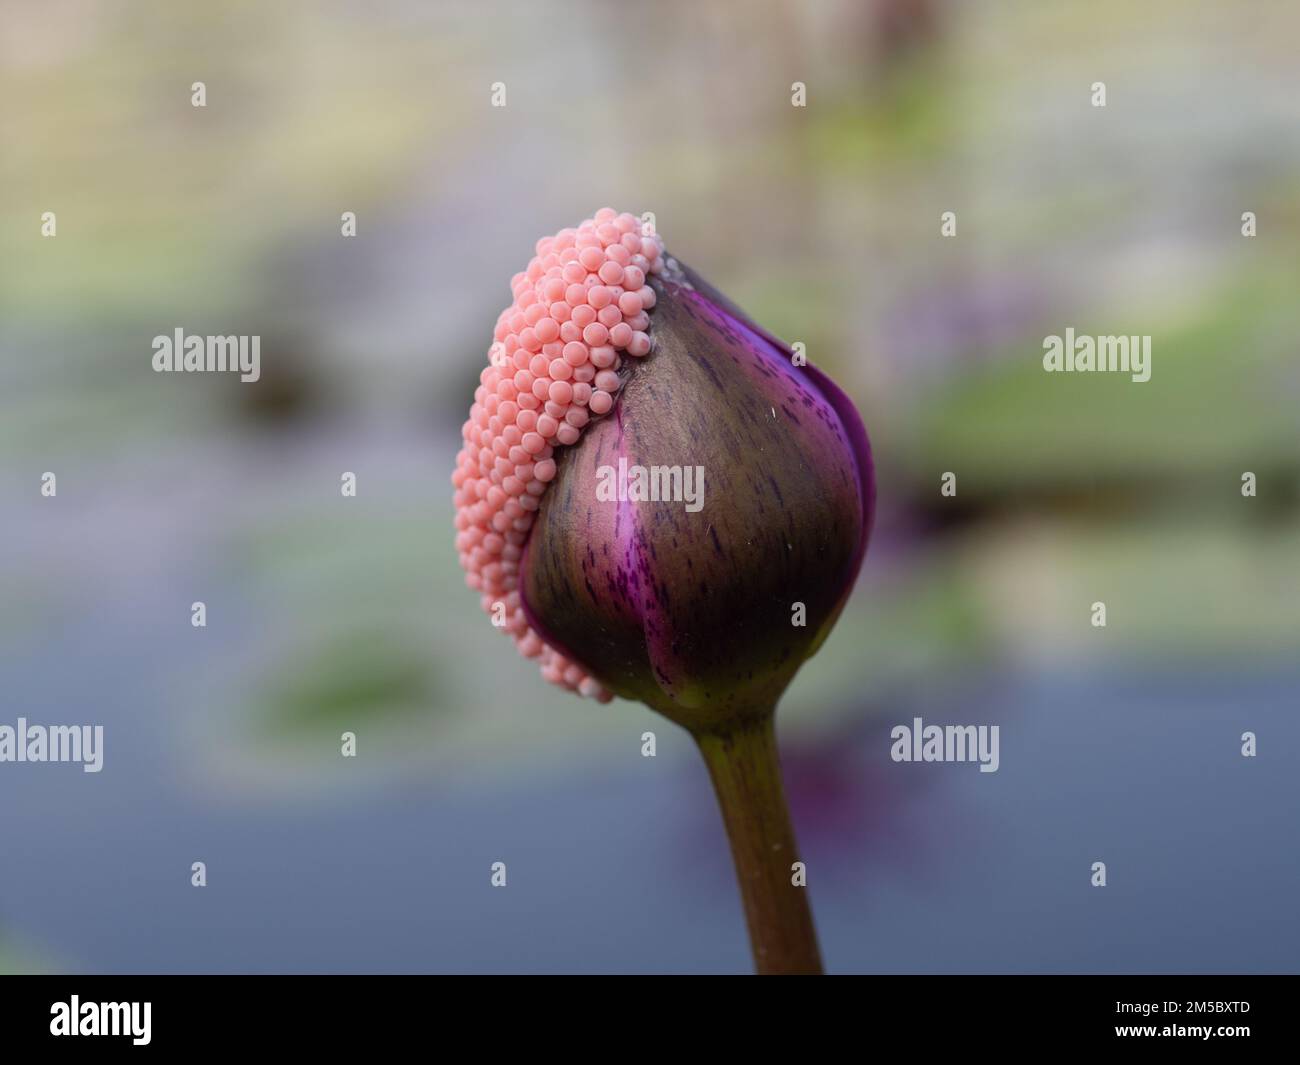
[(368, 676), (1211, 404)]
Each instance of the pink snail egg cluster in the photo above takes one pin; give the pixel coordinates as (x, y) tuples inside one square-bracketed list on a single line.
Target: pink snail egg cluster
[(580, 306)]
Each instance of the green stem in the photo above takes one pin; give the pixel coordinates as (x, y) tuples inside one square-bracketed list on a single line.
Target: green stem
[(746, 775)]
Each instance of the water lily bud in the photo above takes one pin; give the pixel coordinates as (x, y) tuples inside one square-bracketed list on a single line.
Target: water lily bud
[(690, 604), (703, 604), (656, 499)]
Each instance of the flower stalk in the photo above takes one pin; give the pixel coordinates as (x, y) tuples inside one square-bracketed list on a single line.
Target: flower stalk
[(746, 773)]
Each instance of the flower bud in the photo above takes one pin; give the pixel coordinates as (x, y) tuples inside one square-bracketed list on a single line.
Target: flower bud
[(704, 608), (655, 496)]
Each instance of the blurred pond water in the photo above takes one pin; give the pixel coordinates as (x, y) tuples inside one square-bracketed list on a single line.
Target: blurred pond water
[(620, 865)]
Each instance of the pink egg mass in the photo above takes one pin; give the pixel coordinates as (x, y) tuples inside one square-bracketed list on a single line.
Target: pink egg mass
[(553, 365)]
